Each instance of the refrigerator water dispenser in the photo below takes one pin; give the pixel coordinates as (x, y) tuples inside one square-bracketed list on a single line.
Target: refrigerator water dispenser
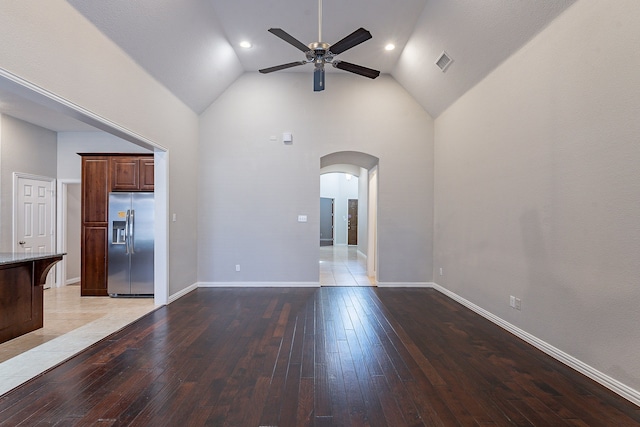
[(118, 237)]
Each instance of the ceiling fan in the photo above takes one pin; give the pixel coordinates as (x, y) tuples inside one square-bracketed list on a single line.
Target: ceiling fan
[(320, 53)]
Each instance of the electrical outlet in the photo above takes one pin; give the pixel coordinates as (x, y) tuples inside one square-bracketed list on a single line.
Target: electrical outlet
[(441, 271), (512, 301), (518, 304), (237, 267)]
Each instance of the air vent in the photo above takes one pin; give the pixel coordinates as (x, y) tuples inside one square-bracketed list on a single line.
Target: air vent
[(444, 61)]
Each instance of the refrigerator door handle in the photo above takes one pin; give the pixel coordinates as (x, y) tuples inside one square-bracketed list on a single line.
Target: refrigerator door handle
[(126, 233), (131, 231)]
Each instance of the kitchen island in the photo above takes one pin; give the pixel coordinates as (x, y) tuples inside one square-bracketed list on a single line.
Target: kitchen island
[(22, 279)]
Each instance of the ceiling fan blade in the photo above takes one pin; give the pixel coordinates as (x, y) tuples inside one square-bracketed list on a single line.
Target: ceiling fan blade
[(358, 36), (279, 32), (318, 79), (281, 67), (357, 69)]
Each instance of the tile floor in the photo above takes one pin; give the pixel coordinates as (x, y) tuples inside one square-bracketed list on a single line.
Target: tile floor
[(343, 266), (72, 323)]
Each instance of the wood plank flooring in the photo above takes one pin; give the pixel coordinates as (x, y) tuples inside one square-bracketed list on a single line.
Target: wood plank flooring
[(313, 357)]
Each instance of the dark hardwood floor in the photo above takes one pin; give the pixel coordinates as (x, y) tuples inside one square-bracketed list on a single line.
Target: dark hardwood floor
[(309, 356)]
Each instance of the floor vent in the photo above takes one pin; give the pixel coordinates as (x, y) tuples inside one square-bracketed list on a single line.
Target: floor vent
[(444, 61)]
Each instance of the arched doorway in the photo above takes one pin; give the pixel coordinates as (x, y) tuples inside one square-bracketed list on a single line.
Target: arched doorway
[(364, 167)]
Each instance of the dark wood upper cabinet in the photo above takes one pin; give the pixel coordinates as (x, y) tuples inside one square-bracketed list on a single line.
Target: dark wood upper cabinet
[(125, 174), (131, 173), (146, 174)]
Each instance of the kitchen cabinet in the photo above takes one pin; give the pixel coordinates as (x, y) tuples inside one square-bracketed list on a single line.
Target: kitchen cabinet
[(102, 174), (22, 279), (94, 208), (146, 173), (131, 173)]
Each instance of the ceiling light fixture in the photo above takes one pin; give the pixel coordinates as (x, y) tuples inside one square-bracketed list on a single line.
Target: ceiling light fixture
[(390, 46), (245, 44)]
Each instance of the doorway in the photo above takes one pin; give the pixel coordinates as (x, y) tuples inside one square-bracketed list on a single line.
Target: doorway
[(352, 222), (69, 229), (326, 221), (363, 244)]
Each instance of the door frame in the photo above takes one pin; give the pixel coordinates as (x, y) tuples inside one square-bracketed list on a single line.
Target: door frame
[(14, 226), (61, 225)]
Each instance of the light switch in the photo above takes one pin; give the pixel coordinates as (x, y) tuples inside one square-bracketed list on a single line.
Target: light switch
[(174, 217), (302, 218)]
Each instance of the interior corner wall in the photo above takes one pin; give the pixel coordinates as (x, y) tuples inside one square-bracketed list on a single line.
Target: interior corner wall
[(25, 148), (363, 209), (74, 234), (77, 63), (257, 186), (537, 188)]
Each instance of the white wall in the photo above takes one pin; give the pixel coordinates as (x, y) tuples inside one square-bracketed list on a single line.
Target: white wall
[(336, 186), (24, 148), (81, 66), (257, 187), (538, 184)]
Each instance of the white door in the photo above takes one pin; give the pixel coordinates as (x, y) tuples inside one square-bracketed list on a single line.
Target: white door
[(33, 216)]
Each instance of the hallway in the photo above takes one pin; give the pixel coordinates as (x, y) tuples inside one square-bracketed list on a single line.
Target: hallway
[(343, 266)]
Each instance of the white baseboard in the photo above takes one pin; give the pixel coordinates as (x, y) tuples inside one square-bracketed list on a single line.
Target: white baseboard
[(611, 383), (72, 281), (405, 284), (182, 293), (258, 284)]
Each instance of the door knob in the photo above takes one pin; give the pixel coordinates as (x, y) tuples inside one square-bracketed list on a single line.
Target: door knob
[(22, 242)]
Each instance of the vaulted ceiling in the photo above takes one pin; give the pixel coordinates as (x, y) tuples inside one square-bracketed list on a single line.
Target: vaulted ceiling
[(193, 46)]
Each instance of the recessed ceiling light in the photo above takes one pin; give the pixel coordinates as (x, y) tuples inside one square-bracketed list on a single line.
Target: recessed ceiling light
[(245, 44), (390, 46)]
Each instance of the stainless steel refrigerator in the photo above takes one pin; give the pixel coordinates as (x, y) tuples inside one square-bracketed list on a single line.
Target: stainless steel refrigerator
[(131, 217)]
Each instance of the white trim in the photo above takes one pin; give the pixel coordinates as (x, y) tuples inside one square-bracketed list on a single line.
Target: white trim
[(61, 226), (72, 281), (161, 271), (612, 384), (258, 284), (405, 284), (182, 293)]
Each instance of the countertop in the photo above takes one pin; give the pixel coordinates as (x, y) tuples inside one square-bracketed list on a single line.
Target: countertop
[(7, 258)]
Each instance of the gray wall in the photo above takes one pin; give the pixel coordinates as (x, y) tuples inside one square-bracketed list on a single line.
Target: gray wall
[(538, 188), (74, 229), (24, 148), (363, 211), (255, 187), (80, 65), (72, 143)]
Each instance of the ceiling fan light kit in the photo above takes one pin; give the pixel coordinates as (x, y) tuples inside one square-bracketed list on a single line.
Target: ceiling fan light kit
[(320, 53)]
